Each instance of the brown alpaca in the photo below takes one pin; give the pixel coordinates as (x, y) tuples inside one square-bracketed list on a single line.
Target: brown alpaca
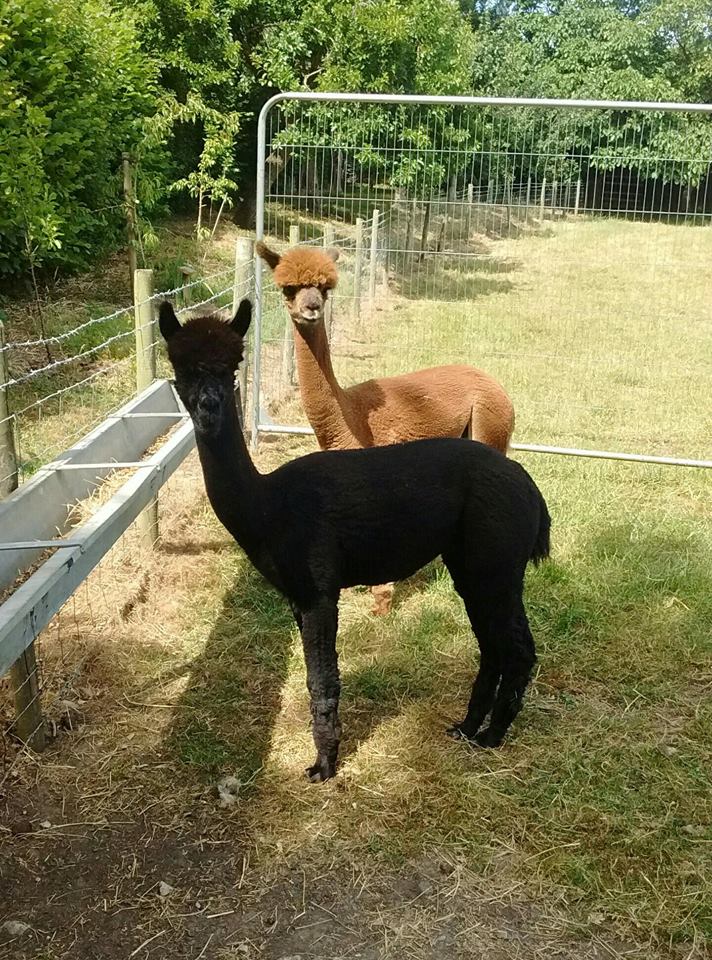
[(448, 401)]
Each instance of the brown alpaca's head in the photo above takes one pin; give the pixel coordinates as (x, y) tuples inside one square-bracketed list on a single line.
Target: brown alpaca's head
[(205, 353), (305, 275)]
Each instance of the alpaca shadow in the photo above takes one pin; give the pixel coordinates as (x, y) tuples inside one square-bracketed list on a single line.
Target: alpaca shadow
[(407, 669), (224, 719)]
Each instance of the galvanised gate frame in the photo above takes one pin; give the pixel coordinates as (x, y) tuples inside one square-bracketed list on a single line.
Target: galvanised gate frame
[(455, 161)]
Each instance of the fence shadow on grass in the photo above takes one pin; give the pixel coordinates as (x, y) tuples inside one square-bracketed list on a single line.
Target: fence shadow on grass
[(451, 278)]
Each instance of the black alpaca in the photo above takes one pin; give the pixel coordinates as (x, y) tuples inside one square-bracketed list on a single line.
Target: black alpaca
[(337, 519)]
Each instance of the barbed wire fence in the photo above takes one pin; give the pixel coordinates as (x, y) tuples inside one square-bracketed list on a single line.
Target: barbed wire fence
[(53, 391)]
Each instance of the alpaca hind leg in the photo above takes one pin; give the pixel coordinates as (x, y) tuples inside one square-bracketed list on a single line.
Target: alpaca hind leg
[(478, 604), (518, 662), (382, 599), (319, 625), (482, 698)]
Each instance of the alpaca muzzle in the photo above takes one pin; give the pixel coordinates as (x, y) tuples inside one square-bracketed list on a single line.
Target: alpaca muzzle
[(208, 412)]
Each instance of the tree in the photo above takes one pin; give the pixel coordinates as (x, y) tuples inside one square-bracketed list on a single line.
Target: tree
[(76, 90)]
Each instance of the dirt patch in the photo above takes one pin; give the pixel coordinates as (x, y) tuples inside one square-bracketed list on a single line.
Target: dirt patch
[(143, 885)]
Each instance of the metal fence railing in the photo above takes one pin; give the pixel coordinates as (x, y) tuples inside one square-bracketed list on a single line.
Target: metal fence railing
[(563, 246), (82, 382)]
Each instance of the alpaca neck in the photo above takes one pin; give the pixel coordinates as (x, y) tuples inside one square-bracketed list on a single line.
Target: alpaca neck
[(233, 485), (325, 403)]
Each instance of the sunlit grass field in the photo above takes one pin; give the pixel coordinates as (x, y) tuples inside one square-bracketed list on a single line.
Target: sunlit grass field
[(601, 330)]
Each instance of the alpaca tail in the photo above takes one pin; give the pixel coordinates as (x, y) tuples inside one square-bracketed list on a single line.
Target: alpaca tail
[(542, 544)]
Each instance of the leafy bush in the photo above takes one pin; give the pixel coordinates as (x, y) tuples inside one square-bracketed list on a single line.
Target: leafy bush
[(76, 92)]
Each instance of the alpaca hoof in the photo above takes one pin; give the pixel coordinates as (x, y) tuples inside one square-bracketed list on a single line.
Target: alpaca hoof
[(382, 599), (459, 732), (456, 733), (320, 771), (488, 738), (381, 609)]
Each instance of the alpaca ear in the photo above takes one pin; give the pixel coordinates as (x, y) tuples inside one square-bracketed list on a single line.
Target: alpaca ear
[(332, 253), (168, 322), (241, 321), (269, 256)]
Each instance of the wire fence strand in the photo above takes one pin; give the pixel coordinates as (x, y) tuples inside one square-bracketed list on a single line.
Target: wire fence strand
[(51, 407)]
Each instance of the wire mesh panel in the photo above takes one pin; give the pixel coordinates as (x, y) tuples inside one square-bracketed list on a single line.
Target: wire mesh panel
[(564, 248), (55, 389), (58, 387)]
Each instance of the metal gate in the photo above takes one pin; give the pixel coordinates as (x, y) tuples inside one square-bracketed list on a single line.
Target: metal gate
[(563, 246)]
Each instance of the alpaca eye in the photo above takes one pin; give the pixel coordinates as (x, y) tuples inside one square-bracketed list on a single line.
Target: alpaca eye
[(289, 292)]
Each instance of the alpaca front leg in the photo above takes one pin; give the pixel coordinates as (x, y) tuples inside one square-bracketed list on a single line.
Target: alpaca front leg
[(382, 599), (319, 627)]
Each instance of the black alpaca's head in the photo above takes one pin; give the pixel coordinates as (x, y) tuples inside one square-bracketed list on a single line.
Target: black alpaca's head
[(205, 353)]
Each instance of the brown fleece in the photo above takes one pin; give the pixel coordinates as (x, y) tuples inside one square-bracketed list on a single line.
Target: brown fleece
[(302, 267), (448, 401)]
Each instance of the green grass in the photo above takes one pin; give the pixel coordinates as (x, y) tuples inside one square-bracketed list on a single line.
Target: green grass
[(599, 329)]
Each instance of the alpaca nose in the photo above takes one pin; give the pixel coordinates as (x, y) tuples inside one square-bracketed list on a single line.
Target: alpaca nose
[(208, 407)]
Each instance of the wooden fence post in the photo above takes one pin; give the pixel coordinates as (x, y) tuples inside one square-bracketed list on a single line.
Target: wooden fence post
[(329, 237), (426, 230), (186, 293), (130, 206), (470, 198), (243, 286), (288, 342), (8, 454), (529, 193), (541, 200), (553, 198), (358, 269), (28, 725), (409, 229), (578, 197), (374, 254), (145, 327)]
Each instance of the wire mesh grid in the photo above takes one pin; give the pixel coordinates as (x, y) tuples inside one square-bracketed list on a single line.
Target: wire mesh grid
[(56, 388), (566, 251), (84, 643), (47, 413)]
